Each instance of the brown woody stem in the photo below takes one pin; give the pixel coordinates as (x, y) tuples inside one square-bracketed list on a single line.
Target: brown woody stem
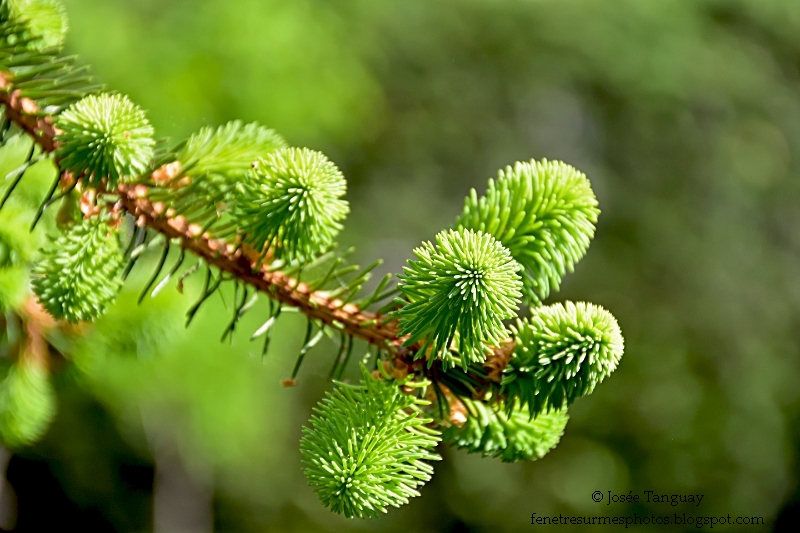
[(240, 262)]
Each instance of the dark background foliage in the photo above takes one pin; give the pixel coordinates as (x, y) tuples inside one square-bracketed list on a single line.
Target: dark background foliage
[(685, 116)]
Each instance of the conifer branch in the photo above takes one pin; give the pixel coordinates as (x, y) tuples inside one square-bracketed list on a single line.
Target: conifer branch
[(242, 261), (27, 398), (37, 324), (258, 212), (23, 112)]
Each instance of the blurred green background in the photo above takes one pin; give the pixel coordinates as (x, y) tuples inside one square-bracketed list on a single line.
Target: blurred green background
[(685, 115)]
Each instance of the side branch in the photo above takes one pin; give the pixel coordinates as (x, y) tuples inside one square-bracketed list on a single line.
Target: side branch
[(240, 262), (23, 112)]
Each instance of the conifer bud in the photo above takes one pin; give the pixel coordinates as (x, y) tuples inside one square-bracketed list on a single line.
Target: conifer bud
[(292, 204), (80, 275), (459, 291), (365, 448), (562, 352), (544, 212), (513, 436), (44, 22), (104, 139), (27, 403)]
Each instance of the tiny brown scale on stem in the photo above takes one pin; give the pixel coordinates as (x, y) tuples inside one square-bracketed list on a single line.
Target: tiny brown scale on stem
[(241, 261)]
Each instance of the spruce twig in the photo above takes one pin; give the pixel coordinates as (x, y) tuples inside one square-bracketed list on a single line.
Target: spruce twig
[(242, 263)]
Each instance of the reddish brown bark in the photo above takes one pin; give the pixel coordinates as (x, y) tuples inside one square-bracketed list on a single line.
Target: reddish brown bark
[(239, 261)]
